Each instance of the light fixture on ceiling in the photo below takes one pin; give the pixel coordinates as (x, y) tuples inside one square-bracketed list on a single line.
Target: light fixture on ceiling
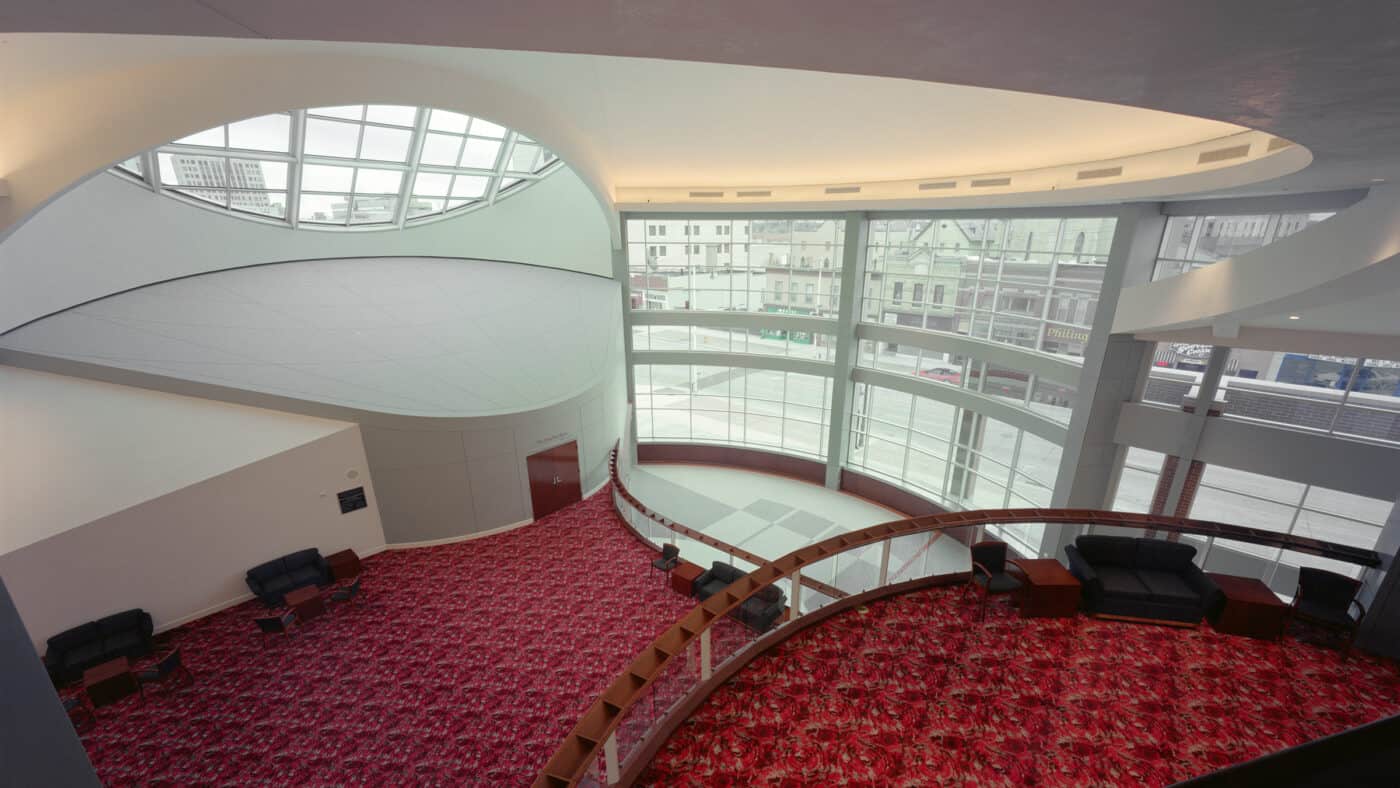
[(1295, 317), (1378, 180)]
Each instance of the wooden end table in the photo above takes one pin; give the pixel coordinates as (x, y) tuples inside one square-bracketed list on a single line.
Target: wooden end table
[(306, 601), (109, 682), (1250, 608), (344, 565), (1049, 590), (683, 578)]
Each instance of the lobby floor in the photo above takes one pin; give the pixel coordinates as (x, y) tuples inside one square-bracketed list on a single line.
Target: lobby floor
[(771, 516)]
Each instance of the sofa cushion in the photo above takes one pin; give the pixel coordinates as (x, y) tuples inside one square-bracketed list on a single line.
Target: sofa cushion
[(308, 557), (1122, 582), (305, 576), (1325, 613), (122, 643), (1168, 587), (1107, 550), (85, 655), (726, 572), (75, 637), (264, 574), (710, 588), (1162, 555)]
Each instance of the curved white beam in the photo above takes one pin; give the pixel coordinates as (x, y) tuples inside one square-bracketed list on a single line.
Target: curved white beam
[(1353, 255)]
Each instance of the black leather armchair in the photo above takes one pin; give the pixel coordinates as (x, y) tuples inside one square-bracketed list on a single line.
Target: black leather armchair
[(759, 612), (1326, 599), (127, 634), (272, 580)]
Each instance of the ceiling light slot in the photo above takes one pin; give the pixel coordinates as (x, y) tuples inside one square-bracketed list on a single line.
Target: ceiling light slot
[(755, 193), (843, 190), (982, 183), (1223, 154), (1102, 172), (923, 187), (707, 194)]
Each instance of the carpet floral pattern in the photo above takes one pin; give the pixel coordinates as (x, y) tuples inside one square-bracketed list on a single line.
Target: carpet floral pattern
[(461, 664), (914, 691)]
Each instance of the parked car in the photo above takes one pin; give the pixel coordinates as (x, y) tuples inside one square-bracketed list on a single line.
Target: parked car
[(951, 375)]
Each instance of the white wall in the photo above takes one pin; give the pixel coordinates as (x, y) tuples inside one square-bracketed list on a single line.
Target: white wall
[(184, 554), (74, 450), (109, 235), (442, 479)]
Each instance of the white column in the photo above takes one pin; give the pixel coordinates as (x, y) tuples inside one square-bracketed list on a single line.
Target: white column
[(852, 292), (885, 561), (796, 609)]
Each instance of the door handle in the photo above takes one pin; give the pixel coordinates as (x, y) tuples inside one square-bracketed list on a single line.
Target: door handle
[(558, 481)]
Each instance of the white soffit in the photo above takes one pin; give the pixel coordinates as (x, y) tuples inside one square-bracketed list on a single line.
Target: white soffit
[(415, 336)]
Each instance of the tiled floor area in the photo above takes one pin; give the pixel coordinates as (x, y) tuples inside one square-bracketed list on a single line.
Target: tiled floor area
[(773, 515)]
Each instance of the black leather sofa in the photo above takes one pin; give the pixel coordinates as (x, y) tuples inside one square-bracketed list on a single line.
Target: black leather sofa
[(759, 612), (272, 580), (127, 634), (1141, 578)]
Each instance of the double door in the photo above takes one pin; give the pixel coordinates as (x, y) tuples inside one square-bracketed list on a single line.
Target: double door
[(554, 479)]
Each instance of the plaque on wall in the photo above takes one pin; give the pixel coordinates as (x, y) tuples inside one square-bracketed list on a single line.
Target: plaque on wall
[(352, 499)]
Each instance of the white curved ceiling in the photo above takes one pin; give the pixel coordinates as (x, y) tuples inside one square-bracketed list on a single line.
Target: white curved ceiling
[(420, 337), (619, 122)]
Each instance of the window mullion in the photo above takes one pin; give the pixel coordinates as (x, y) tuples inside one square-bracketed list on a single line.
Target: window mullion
[(415, 154)]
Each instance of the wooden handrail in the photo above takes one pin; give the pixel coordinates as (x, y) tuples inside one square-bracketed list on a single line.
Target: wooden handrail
[(582, 745)]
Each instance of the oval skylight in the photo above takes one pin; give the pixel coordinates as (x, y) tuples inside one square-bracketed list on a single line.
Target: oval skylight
[(361, 166)]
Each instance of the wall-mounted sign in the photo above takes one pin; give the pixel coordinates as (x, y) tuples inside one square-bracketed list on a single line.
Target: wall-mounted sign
[(351, 500)]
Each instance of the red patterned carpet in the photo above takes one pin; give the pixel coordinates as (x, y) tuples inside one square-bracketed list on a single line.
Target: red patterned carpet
[(463, 664), (913, 691)]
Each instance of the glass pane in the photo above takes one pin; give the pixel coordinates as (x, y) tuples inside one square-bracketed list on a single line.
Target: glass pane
[(179, 169), (485, 128), (420, 206), (523, 157), (261, 203), (440, 149), (433, 184), (470, 186), (368, 181), (480, 154), (323, 208), (442, 120), (386, 144), (350, 112), (372, 210), (268, 132), (324, 178), (248, 174), (394, 115), (331, 138)]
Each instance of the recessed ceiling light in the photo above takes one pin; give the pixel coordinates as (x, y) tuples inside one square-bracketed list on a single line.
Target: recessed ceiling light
[(1294, 317), (1378, 180)]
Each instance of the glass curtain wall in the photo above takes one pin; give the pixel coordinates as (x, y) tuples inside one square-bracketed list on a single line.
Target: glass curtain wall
[(1033, 283), (816, 346), (780, 266), (951, 455), (1191, 242), (765, 409)]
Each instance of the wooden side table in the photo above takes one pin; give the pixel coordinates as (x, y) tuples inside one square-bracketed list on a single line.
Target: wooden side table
[(306, 601), (683, 578), (1050, 591), (109, 682), (344, 564), (1250, 608)]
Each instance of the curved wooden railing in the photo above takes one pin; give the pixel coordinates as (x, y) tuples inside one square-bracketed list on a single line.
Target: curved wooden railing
[(586, 741)]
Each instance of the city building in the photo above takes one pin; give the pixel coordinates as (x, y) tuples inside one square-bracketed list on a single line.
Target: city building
[(912, 394)]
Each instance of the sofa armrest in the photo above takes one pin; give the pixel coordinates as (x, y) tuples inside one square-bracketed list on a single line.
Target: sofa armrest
[(1200, 582), (1082, 570)]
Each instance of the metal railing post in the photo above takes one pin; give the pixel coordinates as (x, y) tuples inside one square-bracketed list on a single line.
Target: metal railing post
[(885, 562), (613, 774), (796, 609)]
